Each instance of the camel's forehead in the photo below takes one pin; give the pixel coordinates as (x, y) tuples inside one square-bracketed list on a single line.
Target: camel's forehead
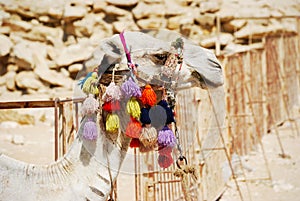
[(144, 48)]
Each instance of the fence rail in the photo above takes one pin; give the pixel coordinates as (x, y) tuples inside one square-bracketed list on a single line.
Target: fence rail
[(64, 124)]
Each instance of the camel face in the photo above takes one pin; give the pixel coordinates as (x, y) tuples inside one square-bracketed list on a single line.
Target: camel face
[(199, 66)]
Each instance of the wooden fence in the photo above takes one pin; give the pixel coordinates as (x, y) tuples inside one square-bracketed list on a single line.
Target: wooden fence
[(262, 92), (65, 119)]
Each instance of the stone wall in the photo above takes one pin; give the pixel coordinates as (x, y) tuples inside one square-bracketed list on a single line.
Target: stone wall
[(43, 44)]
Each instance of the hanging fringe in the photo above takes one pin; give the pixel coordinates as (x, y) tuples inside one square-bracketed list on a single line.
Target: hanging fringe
[(130, 89), (90, 131), (165, 161), (148, 137), (169, 112), (133, 108), (166, 138), (148, 96), (112, 123), (90, 85), (89, 106), (111, 106), (145, 118), (112, 93), (133, 129), (134, 143)]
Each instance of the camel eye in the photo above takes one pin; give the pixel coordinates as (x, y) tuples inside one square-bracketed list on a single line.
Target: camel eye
[(160, 58)]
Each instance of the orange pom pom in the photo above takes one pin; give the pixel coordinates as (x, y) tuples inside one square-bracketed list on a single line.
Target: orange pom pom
[(133, 129), (148, 96)]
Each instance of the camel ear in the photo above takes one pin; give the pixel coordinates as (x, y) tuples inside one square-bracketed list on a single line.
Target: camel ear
[(205, 63)]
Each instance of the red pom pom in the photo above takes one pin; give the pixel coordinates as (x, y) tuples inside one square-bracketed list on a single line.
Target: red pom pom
[(134, 128), (165, 150), (148, 96), (111, 106), (134, 143), (165, 161)]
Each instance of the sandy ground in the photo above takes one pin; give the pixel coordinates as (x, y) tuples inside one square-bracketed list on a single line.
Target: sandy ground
[(35, 144), (285, 172)]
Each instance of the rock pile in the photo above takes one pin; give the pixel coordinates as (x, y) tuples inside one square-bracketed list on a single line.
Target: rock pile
[(44, 44)]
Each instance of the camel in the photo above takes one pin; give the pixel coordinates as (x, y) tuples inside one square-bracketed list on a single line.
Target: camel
[(88, 169)]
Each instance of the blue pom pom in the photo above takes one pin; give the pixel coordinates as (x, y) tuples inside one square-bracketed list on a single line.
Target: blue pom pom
[(144, 118), (169, 112)]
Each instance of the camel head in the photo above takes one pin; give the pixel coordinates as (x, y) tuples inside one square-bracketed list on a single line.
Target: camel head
[(173, 63)]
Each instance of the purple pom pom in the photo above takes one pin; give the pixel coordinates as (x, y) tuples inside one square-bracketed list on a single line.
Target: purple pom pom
[(90, 131), (166, 138), (131, 89)]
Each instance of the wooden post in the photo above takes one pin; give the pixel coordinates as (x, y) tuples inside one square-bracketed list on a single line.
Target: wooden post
[(56, 134), (218, 42)]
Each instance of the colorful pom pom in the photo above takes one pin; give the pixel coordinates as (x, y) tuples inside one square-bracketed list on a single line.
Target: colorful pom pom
[(145, 118), (90, 85), (165, 161), (133, 129), (148, 136), (166, 137), (169, 112), (90, 131), (130, 89), (112, 123), (89, 106), (165, 150), (111, 106), (148, 96), (133, 108), (112, 93), (134, 143), (158, 116)]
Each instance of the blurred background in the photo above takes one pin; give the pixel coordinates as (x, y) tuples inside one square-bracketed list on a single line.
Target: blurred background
[(46, 45)]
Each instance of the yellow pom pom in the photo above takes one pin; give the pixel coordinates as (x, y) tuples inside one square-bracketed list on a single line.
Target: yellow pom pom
[(90, 85), (133, 108), (112, 123)]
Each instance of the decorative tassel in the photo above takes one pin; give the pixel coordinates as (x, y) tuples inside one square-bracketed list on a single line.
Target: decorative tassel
[(169, 112), (133, 129), (81, 82), (90, 85), (166, 138), (148, 137), (158, 116), (148, 96), (165, 161), (112, 123), (112, 93), (90, 131), (111, 106), (144, 149), (89, 106), (130, 89), (134, 143), (165, 150), (145, 118), (133, 108)]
